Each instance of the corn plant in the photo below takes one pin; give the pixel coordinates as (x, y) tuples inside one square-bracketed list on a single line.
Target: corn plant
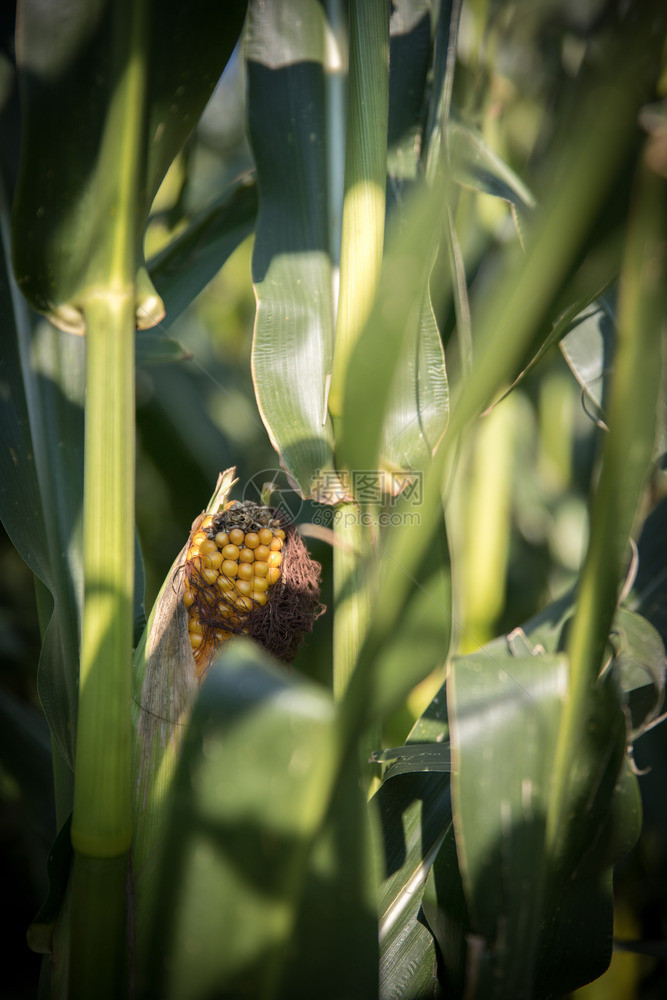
[(227, 825)]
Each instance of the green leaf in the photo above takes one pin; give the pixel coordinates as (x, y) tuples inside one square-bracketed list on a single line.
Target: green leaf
[(526, 911), (476, 165), (409, 631), (183, 268), (588, 349), (639, 661), (414, 813), (649, 595), (264, 858), (415, 816), (373, 409), (153, 347), (71, 63), (41, 486), (293, 338)]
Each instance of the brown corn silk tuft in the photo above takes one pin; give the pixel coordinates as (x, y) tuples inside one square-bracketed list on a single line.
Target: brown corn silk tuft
[(280, 615)]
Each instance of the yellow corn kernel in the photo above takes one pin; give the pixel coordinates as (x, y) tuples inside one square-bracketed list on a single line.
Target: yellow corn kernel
[(246, 571), (192, 552), (258, 597), (262, 553), (280, 534), (244, 587), (246, 556), (207, 547), (275, 559), (215, 559), (261, 568), (244, 603), (222, 539), (274, 575), (265, 536), (276, 545), (230, 552), (194, 625), (199, 537), (224, 582), (188, 598), (236, 536), (260, 583), (210, 575), (252, 539), (229, 567), (207, 522), (196, 639)]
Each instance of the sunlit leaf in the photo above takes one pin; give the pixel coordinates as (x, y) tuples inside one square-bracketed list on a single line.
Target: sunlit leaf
[(293, 337)]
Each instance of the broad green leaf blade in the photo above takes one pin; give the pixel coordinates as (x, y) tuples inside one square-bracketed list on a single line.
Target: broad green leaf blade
[(293, 337), (254, 871), (639, 661), (71, 64), (183, 268), (523, 908), (588, 349), (418, 406), (500, 793), (409, 58), (41, 422)]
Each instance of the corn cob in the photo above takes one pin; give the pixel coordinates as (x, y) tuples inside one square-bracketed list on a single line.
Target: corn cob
[(241, 567)]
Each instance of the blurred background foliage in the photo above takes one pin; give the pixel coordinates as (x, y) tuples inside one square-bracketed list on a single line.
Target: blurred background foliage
[(518, 517)]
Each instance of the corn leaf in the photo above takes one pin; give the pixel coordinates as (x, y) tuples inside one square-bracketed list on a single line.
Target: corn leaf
[(68, 75), (588, 349), (415, 815), (414, 812), (526, 913), (476, 165), (419, 627), (649, 594), (264, 857), (293, 337), (41, 486), (186, 265)]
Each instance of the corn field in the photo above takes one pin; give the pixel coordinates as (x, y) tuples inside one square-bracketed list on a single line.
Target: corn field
[(332, 436)]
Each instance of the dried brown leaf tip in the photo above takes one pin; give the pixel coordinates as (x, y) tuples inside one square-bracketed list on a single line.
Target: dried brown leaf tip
[(247, 571)]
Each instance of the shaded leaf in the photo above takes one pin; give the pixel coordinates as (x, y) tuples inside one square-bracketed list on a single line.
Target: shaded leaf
[(588, 349), (257, 860), (73, 66), (183, 268), (476, 165), (528, 913)]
